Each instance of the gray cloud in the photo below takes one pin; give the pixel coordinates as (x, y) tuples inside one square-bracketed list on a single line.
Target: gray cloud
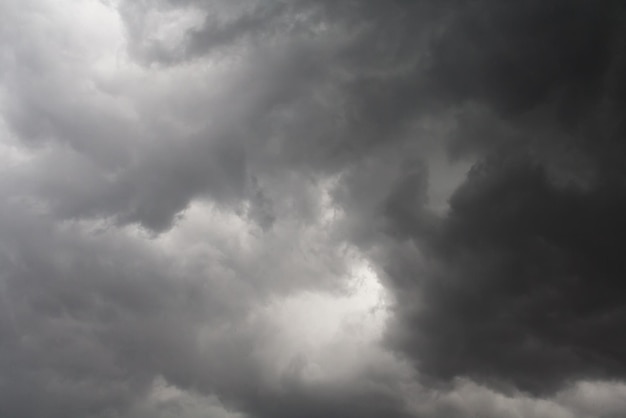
[(311, 208), (523, 274)]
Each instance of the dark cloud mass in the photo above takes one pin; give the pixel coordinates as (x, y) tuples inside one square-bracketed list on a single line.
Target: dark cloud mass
[(269, 208)]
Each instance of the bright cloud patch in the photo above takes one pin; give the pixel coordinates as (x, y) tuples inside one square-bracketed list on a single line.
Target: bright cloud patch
[(328, 336)]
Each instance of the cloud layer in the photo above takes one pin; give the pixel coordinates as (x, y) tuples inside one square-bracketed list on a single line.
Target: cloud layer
[(303, 208)]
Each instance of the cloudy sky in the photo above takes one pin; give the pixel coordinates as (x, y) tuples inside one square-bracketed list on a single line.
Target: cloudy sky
[(312, 208)]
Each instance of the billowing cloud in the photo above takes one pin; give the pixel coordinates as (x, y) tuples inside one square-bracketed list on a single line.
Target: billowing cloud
[(311, 208)]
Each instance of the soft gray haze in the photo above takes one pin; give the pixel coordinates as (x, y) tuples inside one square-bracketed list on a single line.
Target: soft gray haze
[(312, 208)]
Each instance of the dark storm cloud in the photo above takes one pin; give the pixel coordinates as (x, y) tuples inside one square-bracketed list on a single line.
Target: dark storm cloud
[(516, 56), (164, 190), (526, 281), (522, 283)]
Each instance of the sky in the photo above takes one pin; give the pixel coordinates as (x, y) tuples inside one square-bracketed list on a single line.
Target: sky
[(312, 208)]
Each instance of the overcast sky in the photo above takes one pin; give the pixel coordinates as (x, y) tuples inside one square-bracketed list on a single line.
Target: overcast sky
[(312, 208)]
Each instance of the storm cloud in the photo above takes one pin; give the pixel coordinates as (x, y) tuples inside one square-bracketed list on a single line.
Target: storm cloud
[(269, 208)]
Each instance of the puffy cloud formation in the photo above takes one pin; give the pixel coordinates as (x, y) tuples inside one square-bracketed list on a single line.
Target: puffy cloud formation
[(254, 209)]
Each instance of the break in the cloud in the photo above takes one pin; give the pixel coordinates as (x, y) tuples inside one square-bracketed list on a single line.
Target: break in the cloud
[(304, 208)]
